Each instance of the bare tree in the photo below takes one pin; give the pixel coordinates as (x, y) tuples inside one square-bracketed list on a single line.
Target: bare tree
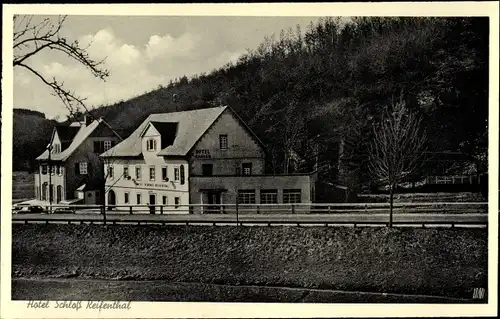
[(397, 149), (31, 38)]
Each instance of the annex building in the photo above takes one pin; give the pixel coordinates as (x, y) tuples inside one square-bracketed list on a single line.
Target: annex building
[(70, 170)]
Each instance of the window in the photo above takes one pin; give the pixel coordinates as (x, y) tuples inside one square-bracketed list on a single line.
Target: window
[(110, 172), (58, 193), (207, 169), (58, 170), (125, 171), (97, 194), (183, 176), (176, 174), (223, 141), (291, 196), (164, 175), (56, 148), (164, 200), (151, 144), (103, 146), (246, 196), (138, 173), (44, 169), (82, 168), (269, 196), (126, 199), (238, 171), (52, 169), (138, 199), (97, 147), (107, 145), (152, 173), (177, 202), (247, 168)]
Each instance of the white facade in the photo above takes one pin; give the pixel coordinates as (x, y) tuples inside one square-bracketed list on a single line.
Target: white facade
[(153, 180)]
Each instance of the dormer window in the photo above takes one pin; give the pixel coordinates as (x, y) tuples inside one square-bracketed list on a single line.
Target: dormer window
[(151, 144)]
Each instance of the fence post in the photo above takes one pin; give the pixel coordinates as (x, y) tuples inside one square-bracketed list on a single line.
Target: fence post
[(104, 214), (161, 209), (130, 209), (293, 209)]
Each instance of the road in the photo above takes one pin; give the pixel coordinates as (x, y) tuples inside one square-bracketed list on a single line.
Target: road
[(344, 218)]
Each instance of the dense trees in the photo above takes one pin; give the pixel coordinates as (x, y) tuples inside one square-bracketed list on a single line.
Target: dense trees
[(317, 92)]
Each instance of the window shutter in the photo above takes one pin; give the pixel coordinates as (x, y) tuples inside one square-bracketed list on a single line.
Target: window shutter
[(182, 174), (77, 168)]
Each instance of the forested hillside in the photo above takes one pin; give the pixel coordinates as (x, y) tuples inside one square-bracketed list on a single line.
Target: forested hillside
[(302, 92), (31, 133)]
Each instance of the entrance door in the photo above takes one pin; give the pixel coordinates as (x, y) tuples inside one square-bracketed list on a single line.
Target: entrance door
[(59, 193), (152, 203), (214, 202), (111, 199)]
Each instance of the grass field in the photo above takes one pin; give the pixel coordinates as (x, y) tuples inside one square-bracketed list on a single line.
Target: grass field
[(445, 262), (23, 185)]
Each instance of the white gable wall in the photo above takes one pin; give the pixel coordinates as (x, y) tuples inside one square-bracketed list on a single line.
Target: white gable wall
[(151, 133)]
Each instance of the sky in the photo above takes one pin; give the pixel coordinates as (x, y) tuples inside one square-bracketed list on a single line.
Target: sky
[(141, 53)]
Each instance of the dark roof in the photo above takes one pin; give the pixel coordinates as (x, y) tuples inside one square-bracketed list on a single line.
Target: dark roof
[(190, 128), (69, 146), (192, 125), (167, 130)]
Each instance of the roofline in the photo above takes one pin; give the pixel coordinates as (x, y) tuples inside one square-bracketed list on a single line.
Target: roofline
[(247, 128), (148, 121), (254, 175), (102, 120), (99, 120)]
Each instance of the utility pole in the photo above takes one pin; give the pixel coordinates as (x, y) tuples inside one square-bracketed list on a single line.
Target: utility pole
[(317, 157)]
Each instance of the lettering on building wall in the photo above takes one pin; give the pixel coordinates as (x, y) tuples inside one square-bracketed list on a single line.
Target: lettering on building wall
[(152, 185), (202, 154)]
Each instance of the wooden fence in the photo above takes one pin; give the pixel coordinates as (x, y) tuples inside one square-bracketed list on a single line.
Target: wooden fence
[(355, 214)]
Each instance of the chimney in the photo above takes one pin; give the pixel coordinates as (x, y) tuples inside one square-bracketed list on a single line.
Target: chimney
[(87, 120)]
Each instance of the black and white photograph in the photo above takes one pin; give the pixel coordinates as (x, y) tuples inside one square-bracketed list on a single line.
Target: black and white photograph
[(248, 159)]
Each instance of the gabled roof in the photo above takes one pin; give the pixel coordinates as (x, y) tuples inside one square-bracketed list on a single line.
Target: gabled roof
[(79, 137), (190, 127)]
